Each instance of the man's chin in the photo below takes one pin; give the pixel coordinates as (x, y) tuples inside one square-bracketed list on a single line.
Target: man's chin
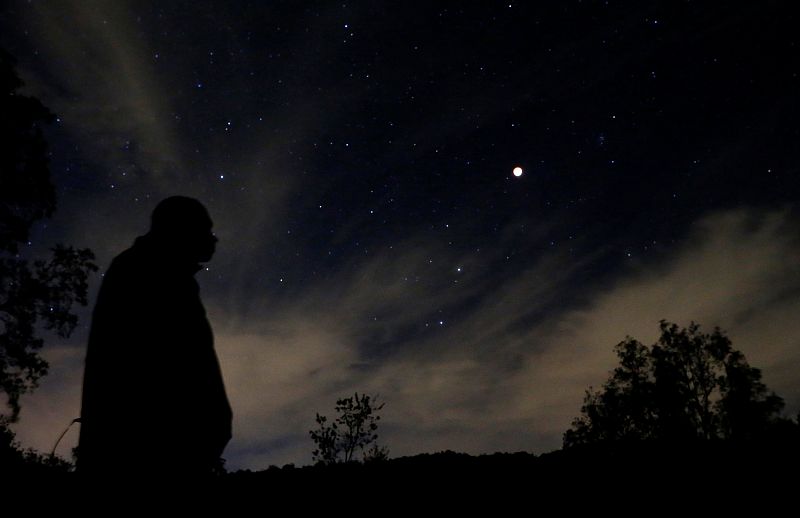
[(204, 258)]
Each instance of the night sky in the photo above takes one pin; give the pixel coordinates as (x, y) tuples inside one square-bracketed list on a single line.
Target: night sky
[(357, 161)]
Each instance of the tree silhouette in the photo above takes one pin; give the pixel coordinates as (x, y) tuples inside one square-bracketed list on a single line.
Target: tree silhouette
[(687, 386), (353, 430), (41, 292)]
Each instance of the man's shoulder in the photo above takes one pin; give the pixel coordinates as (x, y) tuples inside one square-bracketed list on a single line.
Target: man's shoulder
[(130, 261), (146, 268)]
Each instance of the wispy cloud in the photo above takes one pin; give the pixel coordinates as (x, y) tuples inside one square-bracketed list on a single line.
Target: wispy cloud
[(126, 115), (97, 43), (488, 383)]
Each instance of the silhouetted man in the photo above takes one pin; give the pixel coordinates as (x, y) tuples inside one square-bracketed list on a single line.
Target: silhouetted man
[(154, 401)]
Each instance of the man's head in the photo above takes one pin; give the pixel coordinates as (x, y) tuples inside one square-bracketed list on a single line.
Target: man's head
[(183, 224)]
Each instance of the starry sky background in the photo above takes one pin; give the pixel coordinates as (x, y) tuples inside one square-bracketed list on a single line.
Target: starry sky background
[(356, 159)]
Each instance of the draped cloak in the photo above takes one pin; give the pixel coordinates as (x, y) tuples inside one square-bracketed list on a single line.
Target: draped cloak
[(153, 398)]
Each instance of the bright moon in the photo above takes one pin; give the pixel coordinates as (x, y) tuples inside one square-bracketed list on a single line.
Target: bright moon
[(517, 171)]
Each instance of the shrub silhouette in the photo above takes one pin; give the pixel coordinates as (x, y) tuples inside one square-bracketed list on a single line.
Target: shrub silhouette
[(353, 430)]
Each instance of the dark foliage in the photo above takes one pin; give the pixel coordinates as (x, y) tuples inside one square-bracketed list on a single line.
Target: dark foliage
[(16, 461), (40, 293), (26, 193), (688, 386)]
